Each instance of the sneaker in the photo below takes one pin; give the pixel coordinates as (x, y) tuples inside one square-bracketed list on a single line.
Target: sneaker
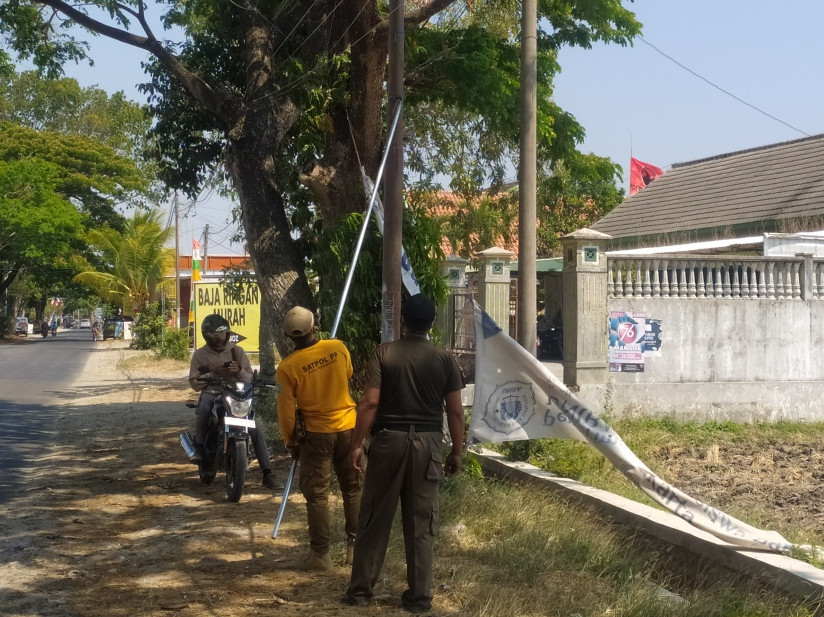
[(197, 457), (316, 561), (269, 481)]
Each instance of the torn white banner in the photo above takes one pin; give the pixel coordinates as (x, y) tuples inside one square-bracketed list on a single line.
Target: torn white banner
[(517, 397), (407, 275)]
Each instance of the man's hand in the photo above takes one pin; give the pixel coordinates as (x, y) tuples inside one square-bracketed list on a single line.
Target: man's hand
[(356, 456), (229, 368), (453, 464), (294, 451)]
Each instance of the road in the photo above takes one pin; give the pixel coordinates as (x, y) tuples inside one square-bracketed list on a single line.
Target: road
[(36, 375)]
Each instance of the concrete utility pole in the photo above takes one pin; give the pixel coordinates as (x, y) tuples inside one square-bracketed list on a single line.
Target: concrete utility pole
[(393, 183), (177, 264), (527, 174), (205, 250)]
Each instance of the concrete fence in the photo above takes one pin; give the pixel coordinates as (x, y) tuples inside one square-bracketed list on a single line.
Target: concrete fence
[(706, 337)]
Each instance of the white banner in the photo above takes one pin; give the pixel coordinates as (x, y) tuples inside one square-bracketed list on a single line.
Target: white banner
[(517, 397), (407, 275)]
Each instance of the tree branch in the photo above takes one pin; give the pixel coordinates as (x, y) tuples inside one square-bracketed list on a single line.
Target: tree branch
[(425, 12), (218, 101)]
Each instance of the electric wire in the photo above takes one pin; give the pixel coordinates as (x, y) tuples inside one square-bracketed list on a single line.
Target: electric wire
[(717, 87)]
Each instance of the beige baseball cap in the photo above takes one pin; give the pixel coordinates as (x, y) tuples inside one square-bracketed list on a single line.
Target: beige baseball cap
[(298, 321)]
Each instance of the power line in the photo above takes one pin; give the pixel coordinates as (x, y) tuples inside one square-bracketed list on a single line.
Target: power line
[(717, 87)]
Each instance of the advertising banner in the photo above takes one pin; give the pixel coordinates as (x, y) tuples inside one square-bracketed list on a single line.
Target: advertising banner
[(238, 303)]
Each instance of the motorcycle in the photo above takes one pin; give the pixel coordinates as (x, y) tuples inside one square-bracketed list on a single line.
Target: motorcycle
[(228, 445)]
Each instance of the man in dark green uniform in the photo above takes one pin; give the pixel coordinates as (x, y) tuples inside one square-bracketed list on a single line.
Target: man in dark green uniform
[(407, 383)]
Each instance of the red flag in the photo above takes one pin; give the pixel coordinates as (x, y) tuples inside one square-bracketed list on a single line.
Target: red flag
[(641, 174)]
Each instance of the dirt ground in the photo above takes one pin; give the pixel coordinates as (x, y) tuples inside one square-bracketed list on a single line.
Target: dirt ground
[(113, 520)]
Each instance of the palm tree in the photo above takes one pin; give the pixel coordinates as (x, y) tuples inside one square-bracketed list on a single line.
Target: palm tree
[(136, 261)]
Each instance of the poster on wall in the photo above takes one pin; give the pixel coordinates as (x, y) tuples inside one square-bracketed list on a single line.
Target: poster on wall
[(627, 332), (238, 303)]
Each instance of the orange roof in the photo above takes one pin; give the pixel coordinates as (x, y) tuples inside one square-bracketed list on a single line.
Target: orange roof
[(445, 204)]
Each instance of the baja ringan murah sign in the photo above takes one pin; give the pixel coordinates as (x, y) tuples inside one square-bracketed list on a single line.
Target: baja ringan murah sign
[(238, 303)]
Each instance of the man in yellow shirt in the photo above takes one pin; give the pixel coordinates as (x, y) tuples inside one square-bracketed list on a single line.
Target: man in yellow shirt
[(314, 381)]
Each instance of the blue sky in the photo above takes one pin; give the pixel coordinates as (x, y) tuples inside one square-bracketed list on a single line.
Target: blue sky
[(634, 100)]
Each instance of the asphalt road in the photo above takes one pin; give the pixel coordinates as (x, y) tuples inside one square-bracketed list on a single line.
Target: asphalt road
[(35, 375)]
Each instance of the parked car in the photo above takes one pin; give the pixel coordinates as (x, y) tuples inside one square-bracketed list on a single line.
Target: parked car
[(85, 323), (22, 326)]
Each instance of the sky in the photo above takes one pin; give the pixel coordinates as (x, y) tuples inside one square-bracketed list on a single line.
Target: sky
[(746, 60)]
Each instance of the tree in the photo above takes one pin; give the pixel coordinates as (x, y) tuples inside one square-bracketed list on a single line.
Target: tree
[(575, 194), (137, 264), (37, 223), (74, 182), (62, 106), (290, 95)]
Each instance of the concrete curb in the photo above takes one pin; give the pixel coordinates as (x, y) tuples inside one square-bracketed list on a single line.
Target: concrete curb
[(773, 569)]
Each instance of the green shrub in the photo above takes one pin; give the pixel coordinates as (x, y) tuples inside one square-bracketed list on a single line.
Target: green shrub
[(148, 328), (174, 344)]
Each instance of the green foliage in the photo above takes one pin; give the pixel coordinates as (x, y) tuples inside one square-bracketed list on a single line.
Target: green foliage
[(175, 344), (573, 194), (89, 172), (148, 328), (135, 262), (150, 332), (360, 324), (62, 106)]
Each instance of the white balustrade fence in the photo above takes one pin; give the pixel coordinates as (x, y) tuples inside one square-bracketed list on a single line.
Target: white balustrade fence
[(676, 276)]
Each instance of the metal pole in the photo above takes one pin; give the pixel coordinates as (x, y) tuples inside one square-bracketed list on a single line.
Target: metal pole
[(365, 224), (393, 183), (177, 264), (349, 276), (527, 275)]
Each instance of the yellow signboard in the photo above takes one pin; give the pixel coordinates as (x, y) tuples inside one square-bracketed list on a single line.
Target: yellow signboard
[(239, 304)]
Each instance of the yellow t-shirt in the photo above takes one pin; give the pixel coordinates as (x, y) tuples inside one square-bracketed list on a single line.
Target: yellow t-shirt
[(316, 380)]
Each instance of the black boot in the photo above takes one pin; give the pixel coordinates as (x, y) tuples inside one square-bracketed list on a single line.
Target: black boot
[(197, 457)]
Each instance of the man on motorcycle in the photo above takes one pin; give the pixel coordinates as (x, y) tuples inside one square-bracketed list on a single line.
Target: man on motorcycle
[(223, 359)]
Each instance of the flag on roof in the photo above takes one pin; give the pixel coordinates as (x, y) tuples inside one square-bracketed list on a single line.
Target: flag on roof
[(641, 174), (517, 397)]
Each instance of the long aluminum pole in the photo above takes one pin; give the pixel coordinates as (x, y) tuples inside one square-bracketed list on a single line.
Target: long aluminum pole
[(365, 224), (349, 276)]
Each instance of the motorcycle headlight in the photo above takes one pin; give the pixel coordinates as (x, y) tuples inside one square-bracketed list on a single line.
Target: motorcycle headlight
[(239, 409)]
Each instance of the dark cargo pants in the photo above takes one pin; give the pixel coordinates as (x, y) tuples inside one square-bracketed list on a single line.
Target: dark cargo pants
[(406, 466)]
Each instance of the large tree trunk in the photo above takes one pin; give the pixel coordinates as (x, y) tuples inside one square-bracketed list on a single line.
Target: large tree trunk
[(356, 139), (278, 267)]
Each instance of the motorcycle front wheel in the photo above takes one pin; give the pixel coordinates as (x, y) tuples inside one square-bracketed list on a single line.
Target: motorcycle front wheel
[(206, 475), (236, 463)]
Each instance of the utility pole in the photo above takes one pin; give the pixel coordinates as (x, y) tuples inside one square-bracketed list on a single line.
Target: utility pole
[(527, 173), (203, 266), (393, 182), (177, 263)]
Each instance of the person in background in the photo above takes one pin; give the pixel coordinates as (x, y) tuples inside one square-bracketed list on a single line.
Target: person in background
[(408, 381), (223, 359), (313, 383)]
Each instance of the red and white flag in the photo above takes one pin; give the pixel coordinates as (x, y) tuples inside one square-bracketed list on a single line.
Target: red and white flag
[(641, 174)]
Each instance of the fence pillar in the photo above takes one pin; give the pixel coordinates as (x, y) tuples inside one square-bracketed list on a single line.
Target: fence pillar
[(585, 308), (453, 270), (493, 284)]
